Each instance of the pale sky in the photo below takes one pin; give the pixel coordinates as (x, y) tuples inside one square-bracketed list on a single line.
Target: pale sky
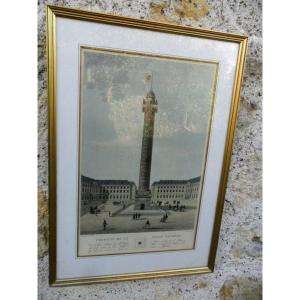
[(112, 120)]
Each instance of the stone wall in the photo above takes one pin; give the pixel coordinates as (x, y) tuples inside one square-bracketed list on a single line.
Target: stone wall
[(238, 271)]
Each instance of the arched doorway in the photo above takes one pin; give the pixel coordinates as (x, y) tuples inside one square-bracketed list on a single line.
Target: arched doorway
[(142, 207)]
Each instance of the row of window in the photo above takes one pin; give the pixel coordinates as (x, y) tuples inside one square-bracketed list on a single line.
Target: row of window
[(102, 190), (172, 192), (193, 189), (169, 196), (106, 195), (177, 189), (170, 188), (93, 197), (176, 196)]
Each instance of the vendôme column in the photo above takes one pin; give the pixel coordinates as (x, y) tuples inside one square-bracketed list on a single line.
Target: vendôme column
[(143, 196)]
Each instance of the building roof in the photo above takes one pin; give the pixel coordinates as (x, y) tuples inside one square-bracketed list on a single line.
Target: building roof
[(106, 181), (192, 180)]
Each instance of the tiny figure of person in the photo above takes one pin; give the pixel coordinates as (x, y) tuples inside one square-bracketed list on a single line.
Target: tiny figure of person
[(104, 224), (147, 223), (139, 215)]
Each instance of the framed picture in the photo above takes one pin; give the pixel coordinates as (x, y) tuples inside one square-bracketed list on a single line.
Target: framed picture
[(141, 123)]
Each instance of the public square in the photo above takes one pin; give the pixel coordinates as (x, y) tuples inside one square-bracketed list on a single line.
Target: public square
[(122, 220)]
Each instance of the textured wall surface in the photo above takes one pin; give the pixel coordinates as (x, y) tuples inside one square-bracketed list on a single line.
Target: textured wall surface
[(238, 271)]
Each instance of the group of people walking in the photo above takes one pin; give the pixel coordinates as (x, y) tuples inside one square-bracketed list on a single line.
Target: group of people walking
[(136, 216)]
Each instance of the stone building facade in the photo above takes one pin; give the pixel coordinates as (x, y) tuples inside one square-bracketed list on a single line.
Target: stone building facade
[(96, 192), (173, 192)]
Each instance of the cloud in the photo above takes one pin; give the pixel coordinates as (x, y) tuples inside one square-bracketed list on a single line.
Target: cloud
[(112, 117)]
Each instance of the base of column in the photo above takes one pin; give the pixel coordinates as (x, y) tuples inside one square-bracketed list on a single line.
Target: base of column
[(143, 200)]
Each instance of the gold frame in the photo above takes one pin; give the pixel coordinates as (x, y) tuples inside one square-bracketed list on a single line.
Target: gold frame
[(55, 11)]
